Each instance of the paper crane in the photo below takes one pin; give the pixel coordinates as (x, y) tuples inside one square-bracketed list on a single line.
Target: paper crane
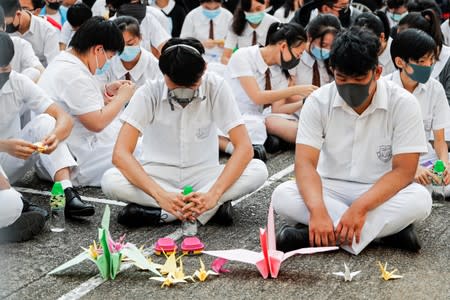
[(388, 275), (269, 260), (202, 274), (348, 276)]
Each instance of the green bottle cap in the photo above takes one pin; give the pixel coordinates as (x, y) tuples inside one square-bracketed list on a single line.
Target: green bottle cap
[(235, 49), (57, 189), (187, 190), (439, 166)]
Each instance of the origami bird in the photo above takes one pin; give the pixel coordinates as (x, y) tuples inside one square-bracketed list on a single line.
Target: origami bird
[(388, 275), (348, 276)]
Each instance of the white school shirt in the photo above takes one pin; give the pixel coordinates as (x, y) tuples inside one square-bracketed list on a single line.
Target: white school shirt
[(445, 28), (43, 37), (24, 57), (196, 25), (279, 14), (66, 34), (385, 59), (248, 62), (304, 70), (186, 137), (70, 83), (17, 93), (356, 147), (159, 15), (245, 39), (440, 63), (146, 69), (433, 103), (99, 8)]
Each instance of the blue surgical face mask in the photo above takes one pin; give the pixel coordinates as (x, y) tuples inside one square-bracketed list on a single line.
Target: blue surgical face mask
[(211, 13), (102, 70), (254, 18), (397, 17), (420, 73), (130, 53), (320, 53)]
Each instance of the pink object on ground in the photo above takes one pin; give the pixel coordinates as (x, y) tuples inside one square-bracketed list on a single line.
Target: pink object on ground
[(166, 245), (192, 245)]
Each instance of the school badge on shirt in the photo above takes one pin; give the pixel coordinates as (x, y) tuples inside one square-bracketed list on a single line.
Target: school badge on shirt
[(384, 153)]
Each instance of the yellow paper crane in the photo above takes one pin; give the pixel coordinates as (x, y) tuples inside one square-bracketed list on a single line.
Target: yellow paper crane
[(170, 266), (388, 275), (168, 281), (179, 273), (201, 273)]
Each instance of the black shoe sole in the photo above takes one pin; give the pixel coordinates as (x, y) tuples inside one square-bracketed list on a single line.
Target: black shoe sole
[(86, 212)]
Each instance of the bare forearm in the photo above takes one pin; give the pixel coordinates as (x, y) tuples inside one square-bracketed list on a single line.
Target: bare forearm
[(63, 127), (441, 150), (309, 184), (287, 108), (268, 97)]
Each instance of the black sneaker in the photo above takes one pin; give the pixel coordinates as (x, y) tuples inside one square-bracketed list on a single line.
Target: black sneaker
[(292, 238), (405, 239), (75, 207), (259, 152), (134, 215), (224, 216), (272, 144), (28, 225), (29, 206)]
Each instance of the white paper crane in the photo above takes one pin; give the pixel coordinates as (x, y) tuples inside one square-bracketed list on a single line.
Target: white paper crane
[(348, 276)]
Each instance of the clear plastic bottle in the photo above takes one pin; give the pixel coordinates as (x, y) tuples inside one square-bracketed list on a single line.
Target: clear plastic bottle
[(57, 205), (439, 185), (189, 227)]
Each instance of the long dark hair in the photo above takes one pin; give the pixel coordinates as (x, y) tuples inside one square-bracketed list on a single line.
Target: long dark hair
[(239, 21)]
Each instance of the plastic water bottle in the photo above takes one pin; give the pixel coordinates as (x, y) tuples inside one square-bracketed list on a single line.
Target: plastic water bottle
[(439, 184), (57, 205), (189, 227)]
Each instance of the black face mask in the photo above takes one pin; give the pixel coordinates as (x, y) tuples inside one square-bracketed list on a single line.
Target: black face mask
[(290, 64), (344, 17), (4, 77), (11, 28), (54, 5)]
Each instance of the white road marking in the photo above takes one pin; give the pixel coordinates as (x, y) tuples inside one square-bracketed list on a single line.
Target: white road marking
[(90, 199), (97, 280)]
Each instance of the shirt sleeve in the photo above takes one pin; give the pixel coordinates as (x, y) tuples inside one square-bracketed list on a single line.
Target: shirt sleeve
[(231, 40), (33, 96), (51, 47), (239, 66), (82, 96), (441, 109), (310, 128), (140, 110), (444, 79), (225, 110), (188, 27), (408, 134), (28, 58), (158, 35)]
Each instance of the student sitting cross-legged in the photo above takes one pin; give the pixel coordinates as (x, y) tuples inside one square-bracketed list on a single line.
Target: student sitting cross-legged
[(358, 148), (178, 117)]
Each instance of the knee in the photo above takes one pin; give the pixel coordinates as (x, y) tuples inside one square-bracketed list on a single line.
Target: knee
[(422, 202), (110, 182), (258, 171), (12, 207), (281, 194)]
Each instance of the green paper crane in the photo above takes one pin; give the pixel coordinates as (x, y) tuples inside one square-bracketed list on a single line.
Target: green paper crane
[(108, 256)]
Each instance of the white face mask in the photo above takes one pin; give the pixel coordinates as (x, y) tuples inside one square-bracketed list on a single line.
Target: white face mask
[(183, 96)]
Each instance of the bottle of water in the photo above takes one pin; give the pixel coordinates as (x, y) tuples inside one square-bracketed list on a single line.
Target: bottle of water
[(189, 227), (57, 205), (439, 184)]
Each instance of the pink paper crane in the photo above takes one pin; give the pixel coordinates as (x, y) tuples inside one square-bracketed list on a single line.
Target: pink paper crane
[(269, 260)]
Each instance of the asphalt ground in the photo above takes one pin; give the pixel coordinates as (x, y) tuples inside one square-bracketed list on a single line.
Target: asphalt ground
[(24, 266)]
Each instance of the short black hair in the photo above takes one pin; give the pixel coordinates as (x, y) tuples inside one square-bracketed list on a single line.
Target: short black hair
[(77, 14), (97, 31), (355, 52), (7, 46), (321, 25), (37, 3), (401, 45), (396, 3), (206, 1), (129, 24), (10, 7), (292, 33), (184, 66), (2, 19), (374, 23), (420, 5), (116, 4)]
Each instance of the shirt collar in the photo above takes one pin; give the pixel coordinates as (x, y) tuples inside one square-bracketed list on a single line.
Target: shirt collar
[(136, 72), (168, 7), (419, 88), (307, 59), (379, 100)]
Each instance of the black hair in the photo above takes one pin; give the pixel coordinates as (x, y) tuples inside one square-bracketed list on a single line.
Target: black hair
[(7, 46), (355, 52), (10, 7), (373, 23), (401, 45), (37, 3), (77, 14), (420, 5), (288, 7), (2, 19), (292, 33), (239, 21), (129, 24), (426, 21), (89, 3), (116, 4), (205, 1), (396, 3), (184, 66), (97, 31)]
